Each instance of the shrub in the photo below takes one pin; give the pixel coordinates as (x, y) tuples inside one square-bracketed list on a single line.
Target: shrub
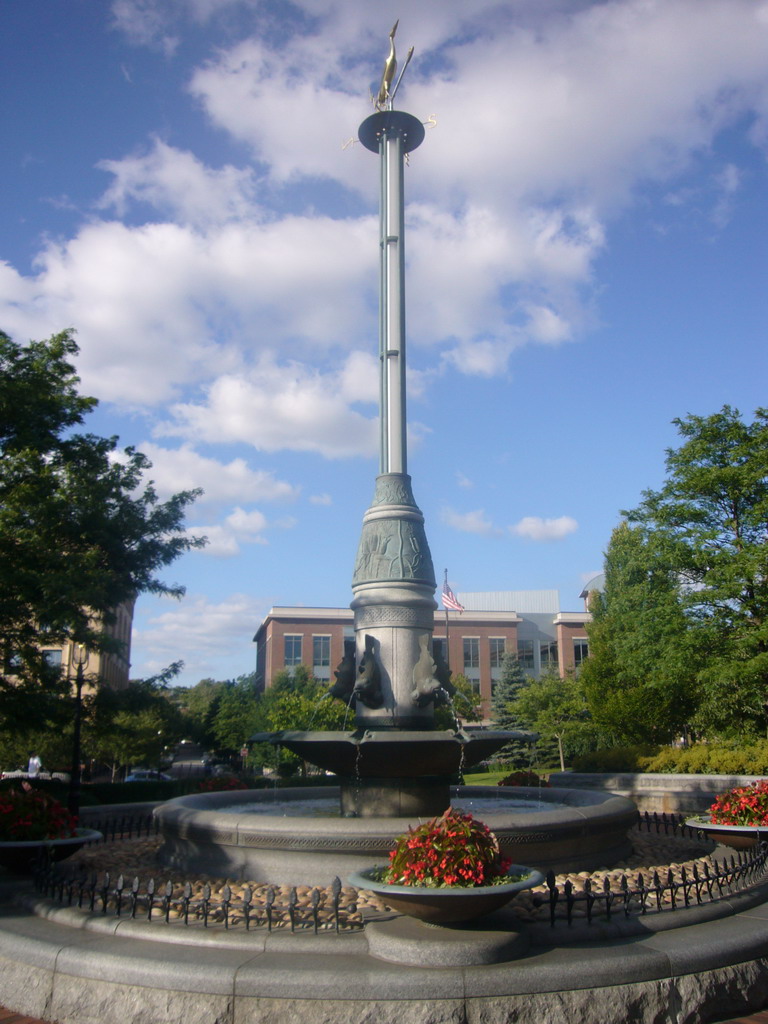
[(523, 778), (614, 759), (694, 760), (700, 759)]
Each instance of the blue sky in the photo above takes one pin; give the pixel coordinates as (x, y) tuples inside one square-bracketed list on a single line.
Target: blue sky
[(586, 260)]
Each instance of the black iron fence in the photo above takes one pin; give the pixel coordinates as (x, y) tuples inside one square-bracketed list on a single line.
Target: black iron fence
[(330, 908), (669, 824), (656, 892), (122, 826), (301, 908)]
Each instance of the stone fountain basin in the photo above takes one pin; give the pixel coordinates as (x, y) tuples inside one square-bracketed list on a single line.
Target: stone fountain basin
[(587, 833), (391, 753)]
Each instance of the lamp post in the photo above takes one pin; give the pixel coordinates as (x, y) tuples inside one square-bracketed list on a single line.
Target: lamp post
[(79, 658)]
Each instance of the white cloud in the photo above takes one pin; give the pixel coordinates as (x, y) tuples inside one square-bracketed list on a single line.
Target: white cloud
[(277, 407), (181, 469), (727, 184), (225, 539), (470, 522), (359, 377), (524, 178), (205, 631), (177, 183), (293, 107), (538, 529), (510, 197), (480, 358), (320, 499), (143, 22), (187, 303), (591, 104), (547, 326)]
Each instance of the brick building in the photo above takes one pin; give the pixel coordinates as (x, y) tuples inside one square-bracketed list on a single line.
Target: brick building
[(108, 669), (527, 623)]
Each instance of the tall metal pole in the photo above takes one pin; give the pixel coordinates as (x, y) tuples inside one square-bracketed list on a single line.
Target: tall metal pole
[(391, 134), (393, 455)]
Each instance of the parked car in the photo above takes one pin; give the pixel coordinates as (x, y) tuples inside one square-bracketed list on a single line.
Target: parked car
[(146, 775)]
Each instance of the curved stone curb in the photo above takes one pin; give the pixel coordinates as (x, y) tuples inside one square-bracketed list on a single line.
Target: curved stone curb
[(85, 974), (538, 933)]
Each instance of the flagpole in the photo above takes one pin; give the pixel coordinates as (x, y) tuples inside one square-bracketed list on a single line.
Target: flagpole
[(445, 609)]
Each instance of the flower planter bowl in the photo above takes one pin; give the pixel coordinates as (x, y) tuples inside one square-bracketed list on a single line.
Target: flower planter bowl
[(447, 904), (738, 837), (22, 855)]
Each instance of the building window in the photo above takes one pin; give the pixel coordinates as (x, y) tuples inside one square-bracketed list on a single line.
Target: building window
[(525, 656), (549, 656), (580, 650), (471, 645), (439, 649), (321, 657), (292, 650), (13, 663), (350, 644), (52, 657), (498, 647)]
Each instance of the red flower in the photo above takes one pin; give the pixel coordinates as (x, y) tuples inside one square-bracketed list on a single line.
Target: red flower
[(745, 805), (453, 849), (33, 814)]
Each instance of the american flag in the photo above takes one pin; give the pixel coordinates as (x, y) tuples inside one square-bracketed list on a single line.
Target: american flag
[(450, 600)]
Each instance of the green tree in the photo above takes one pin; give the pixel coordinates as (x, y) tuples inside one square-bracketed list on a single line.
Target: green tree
[(466, 704), (295, 700), (299, 701), (132, 726), (554, 707), (199, 705), (639, 678), (708, 521), (237, 714), (503, 713), (53, 747), (80, 530)]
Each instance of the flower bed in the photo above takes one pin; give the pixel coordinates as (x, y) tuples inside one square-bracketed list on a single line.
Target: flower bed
[(744, 805), (452, 850), (31, 814)]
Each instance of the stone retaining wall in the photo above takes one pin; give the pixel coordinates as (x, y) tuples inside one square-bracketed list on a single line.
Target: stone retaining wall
[(668, 793)]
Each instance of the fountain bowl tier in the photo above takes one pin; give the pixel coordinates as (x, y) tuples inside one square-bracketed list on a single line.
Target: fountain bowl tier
[(587, 831), (391, 773)]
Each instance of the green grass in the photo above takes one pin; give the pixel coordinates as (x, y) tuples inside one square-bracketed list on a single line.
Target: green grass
[(485, 778)]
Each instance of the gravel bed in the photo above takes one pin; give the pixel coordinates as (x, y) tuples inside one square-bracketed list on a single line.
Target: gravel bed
[(138, 858)]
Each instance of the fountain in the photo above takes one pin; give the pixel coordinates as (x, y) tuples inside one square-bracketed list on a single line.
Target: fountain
[(394, 766), (394, 763)]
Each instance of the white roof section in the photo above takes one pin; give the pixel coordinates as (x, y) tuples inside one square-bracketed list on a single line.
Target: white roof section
[(541, 602)]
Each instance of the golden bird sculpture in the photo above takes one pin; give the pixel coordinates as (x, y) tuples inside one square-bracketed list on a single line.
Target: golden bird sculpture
[(390, 67)]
